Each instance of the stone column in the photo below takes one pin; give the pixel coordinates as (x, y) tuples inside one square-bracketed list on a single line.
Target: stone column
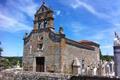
[(62, 49), (87, 71), (107, 70), (113, 71), (104, 68), (76, 67), (30, 49), (100, 69), (111, 68), (34, 64), (117, 60), (116, 48)]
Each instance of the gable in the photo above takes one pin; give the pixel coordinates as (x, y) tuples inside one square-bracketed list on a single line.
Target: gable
[(42, 9)]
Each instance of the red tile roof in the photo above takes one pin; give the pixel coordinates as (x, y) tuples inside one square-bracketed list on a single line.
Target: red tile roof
[(86, 42)]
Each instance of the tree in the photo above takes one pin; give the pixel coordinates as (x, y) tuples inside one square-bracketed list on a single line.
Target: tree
[(1, 50), (105, 57)]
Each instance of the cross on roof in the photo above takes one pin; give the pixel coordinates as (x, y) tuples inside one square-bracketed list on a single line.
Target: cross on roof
[(43, 1)]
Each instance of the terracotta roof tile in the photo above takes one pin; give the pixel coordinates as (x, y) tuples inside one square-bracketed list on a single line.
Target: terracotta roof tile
[(87, 42)]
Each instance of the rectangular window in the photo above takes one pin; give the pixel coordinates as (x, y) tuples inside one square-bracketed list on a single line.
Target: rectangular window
[(40, 46)]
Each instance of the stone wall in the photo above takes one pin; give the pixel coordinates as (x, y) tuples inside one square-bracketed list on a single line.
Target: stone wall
[(51, 52), (14, 75), (32, 76), (90, 57), (58, 54), (92, 78)]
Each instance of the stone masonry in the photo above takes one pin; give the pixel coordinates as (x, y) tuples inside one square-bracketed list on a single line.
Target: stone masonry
[(48, 51), (116, 48)]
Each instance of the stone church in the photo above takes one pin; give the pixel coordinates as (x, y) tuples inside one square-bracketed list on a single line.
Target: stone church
[(48, 51)]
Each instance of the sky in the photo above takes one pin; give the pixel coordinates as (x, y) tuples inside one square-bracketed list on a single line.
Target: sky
[(94, 20)]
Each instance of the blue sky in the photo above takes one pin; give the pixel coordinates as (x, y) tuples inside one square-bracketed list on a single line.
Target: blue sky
[(94, 20)]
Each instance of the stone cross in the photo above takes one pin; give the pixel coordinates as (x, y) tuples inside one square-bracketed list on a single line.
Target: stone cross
[(43, 1)]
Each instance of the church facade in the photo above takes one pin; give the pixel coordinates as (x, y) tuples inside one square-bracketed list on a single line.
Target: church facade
[(48, 51)]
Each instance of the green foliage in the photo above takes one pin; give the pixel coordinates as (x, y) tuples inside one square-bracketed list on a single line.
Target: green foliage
[(9, 62), (105, 57), (5, 63)]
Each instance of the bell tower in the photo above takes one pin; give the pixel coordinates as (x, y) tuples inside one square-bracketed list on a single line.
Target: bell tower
[(43, 18)]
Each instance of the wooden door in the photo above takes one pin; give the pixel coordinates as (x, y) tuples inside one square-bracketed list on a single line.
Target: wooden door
[(40, 64)]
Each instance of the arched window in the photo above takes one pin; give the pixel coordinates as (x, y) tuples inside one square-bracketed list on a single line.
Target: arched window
[(40, 46), (41, 38), (39, 25), (45, 23), (42, 9), (38, 18)]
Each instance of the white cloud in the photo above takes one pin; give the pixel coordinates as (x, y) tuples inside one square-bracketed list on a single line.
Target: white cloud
[(76, 27), (88, 7), (98, 36), (58, 12), (12, 25), (14, 15), (107, 46), (107, 49), (109, 13)]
